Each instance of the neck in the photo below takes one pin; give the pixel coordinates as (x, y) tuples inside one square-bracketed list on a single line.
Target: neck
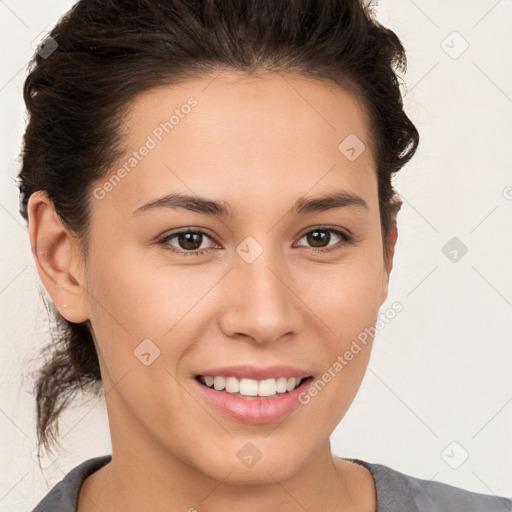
[(132, 483)]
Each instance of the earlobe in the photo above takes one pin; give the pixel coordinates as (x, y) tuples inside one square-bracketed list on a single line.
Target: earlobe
[(56, 260)]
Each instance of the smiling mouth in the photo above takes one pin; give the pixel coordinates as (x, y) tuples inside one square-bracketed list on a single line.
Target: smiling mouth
[(251, 389)]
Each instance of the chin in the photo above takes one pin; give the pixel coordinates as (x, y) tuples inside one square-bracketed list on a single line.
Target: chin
[(249, 462)]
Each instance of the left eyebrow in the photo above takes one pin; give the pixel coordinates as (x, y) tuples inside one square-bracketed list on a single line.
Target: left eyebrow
[(341, 199), (304, 205)]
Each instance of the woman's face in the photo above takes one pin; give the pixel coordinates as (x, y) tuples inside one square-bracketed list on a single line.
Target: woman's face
[(262, 292)]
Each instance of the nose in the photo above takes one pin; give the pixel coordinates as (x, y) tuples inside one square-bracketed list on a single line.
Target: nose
[(262, 300)]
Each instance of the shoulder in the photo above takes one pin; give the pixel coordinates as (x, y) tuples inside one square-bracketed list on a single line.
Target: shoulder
[(63, 496), (412, 494)]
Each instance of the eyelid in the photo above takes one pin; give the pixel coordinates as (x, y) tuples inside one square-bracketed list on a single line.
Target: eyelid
[(346, 235), (346, 238), (326, 227), (164, 239)]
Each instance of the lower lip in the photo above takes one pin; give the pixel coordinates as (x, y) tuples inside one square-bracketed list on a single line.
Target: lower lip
[(257, 410)]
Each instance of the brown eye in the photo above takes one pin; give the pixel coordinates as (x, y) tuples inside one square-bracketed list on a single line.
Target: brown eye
[(187, 242), (321, 237), (318, 238)]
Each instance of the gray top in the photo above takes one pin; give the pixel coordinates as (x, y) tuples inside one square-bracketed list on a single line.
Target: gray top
[(396, 492)]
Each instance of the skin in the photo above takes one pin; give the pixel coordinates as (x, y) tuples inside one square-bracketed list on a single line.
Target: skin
[(258, 144)]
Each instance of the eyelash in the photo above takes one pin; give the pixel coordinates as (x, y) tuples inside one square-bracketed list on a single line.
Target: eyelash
[(346, 239)]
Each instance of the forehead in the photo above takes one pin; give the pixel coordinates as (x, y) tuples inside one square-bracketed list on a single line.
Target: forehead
[(231, 101), (245, 135)]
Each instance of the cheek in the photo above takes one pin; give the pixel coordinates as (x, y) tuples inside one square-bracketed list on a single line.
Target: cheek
[(134, 298), (136, 313), (348, 303), (346, 296), (142, 296)]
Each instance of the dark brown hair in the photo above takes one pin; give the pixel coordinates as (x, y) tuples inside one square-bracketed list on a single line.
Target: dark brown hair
[(102, 53)]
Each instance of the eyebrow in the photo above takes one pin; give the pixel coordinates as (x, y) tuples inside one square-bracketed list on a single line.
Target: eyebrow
[(303, 205)]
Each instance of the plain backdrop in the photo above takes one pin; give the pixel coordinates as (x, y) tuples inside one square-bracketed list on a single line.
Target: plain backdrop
[(436, 401)]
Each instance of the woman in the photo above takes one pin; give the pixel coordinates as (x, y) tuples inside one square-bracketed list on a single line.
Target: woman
[(208, 191)]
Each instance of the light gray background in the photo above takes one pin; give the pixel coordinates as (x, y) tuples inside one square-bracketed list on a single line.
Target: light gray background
[(438, 387)]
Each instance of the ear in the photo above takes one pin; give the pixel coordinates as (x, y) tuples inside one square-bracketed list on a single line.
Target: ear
[(57, 258), (392, 238)]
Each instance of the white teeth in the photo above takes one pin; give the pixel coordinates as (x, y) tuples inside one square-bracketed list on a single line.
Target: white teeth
[(292, 382), (219, 383), (232, 385), (251, 387), (267, 387), (281, 385)]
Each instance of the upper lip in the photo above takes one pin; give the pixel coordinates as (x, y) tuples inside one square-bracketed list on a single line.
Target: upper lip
[(247, 371)]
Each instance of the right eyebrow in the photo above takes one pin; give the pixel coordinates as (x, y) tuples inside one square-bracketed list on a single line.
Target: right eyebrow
[(188, 202)]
